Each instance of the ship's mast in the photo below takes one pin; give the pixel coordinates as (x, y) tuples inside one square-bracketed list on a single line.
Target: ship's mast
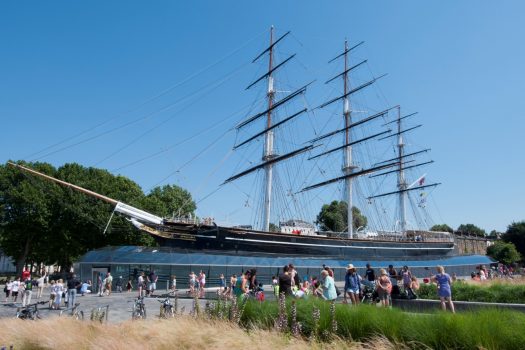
[(348, 167), (268, 141), (401, 183)]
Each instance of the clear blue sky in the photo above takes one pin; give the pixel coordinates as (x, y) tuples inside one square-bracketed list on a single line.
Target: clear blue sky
[(67, 67)]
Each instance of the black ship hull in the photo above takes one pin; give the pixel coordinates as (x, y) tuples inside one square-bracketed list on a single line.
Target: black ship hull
[(234, 241)]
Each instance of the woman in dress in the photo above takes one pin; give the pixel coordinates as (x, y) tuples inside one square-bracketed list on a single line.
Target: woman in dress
[(444, 282), (384, 287), (59, 289)]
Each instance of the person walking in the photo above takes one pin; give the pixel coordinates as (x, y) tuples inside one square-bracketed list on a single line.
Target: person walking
[(72, 284), (444, 283)]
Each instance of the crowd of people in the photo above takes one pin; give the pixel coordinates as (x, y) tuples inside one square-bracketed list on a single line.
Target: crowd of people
[(377, 285)]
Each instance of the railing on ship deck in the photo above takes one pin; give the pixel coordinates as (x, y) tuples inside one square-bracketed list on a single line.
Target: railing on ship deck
[(411, 236)]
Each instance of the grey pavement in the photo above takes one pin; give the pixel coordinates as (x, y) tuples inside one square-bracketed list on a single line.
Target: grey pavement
[(120, 305)]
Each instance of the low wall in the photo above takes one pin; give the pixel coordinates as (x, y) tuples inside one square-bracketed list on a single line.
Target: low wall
[(425, 305)]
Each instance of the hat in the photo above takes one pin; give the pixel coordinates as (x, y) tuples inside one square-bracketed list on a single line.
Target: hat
[(350, 267)]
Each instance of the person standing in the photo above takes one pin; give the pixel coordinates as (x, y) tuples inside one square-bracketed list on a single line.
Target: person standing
[(352, 285), (369, 277), (40, 285), (28, 291), (222, 284), (328, 285), (173, 283), (406, 276), (129, 286), (72, 284), (384, 288), (58, 289), (140, 284), (285, 282), (202, 284), (108, 283), (100, 284), (444, 283), (15, 288), (7, 289), (152, 278), (118, 284)]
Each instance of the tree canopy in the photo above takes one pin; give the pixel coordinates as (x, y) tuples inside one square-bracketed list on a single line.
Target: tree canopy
[(43, 222), (516, 234), (504, 252), (334, 217), (442, 228), (471, 229)]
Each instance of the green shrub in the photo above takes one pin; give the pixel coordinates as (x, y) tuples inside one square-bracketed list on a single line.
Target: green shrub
[(488, 329), (490, 293)]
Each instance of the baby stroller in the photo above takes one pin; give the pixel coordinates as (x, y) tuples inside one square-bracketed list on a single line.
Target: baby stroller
[(369, 293)]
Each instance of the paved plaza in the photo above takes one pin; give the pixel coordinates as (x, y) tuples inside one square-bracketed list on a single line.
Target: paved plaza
[(120, 306)]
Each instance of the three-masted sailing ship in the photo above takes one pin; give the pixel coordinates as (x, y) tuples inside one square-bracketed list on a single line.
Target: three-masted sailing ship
[(297, 237)]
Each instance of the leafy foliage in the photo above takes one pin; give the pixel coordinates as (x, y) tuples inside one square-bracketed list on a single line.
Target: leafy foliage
[(43, 222), (516, 234), (169, 200), (334, 217), (471, 229), (504, 252), (489, 293), (442, 228)]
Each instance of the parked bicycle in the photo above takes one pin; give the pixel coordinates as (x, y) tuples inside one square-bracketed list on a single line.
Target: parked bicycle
[(100, 314), (167, 309), (75, 313), (139, 309), (29, 312)]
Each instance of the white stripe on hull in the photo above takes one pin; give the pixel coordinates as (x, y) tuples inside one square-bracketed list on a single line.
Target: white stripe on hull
[(332, 246)]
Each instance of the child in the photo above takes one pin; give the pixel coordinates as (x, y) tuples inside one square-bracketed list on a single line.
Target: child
[(129, 286)]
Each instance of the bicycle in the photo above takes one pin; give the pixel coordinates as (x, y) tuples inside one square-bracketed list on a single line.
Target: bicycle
[(99, 314), (29, 312), (75, 313), (139, 309), (167, 309)]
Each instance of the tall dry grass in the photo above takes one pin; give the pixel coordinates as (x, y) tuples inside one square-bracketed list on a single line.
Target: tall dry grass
[(179, 333)]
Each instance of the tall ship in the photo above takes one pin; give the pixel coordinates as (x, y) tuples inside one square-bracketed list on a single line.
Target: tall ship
[(401, 239)]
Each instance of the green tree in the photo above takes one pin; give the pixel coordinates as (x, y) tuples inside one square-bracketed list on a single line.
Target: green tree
[(516, 234), (442, 228), (43, 222), (274, 228), (168, 201), (494, 234), (471, 229), (25, 213), (334, 217), (504, 252)]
